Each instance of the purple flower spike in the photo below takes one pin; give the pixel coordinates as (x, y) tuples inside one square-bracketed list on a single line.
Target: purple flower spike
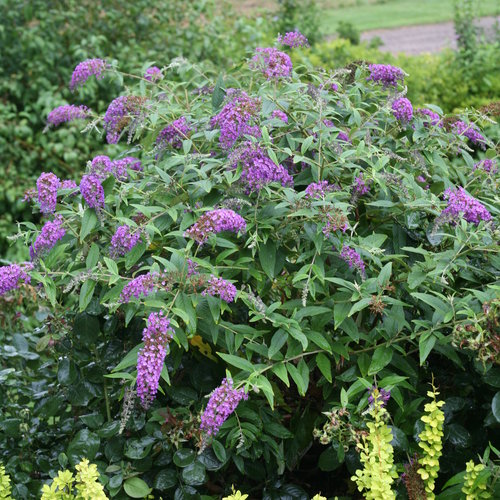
[(222, 403), (85, 70), (101, 167), (353, 259), (156, 336), (273, 63), (143, 285), (467, 130), (360, 186), (119, 115), (461, 204), (51, 233), (293, 39), (486, 165), (385, 75), (174, 134), (429, 117), (92, 191), (13, 275), (214, 222), (402, 109), (66, 113), (153, 74), (219, 287), (47, 185), (280, 115), (318, 190), (124, 239)]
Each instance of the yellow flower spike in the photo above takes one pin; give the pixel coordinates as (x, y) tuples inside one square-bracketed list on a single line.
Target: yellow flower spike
[(473, 489), (236, 495)]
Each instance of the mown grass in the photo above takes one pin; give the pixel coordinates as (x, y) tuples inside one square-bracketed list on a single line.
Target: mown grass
[(375, 14)]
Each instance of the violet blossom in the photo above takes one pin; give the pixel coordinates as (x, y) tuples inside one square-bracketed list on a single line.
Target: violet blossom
[(51, 233), (219, 287), (273, 63), (13, 275), (385, 74), (216, 221), (67, 113), (124, 239), (47, 185), (353, 259), (92, 191), (85, 70)]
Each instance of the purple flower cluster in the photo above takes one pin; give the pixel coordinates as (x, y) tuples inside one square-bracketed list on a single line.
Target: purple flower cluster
[(280, 115), (469, 131), (342, 136), (360, 187), (273, 63), (486, 165), (67, 113), (12, 276), (174, 134), (386, 75), (69, 184), (119, 114), (293, 39), (423, 180), (381, 396), (143, 285), (124, 239), (192, 268), (353, 259), (461, 204), (92, 191), (153, 74), (402, 109), (51, 233), (216, 221), (156, 337), (85, 70), (219, 287), (237, 118), (47, 185), (317, 190), (102, 166), (258, 169), (222, 403), (434, 118)]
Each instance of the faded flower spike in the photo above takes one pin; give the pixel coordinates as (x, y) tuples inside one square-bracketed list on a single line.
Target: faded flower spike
[(85, 70), (156, 337), (214, 222), (222, 403), (66, 113)]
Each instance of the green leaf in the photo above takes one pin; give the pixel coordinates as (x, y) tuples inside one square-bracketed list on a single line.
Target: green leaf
[(306, 144), (184, 457), (267, 257), (66, 372), (129, 360), (425, 345), (135, 487), (241, 363), (135, 254), (86, 294), (277, 342), (381, 358), (165, 479), (325, 366), (358, 306), (84, 445), (297, 378), (89, 221), (219, 450), (92, 256), (495, 406), (218, 94), (277, 430), (194, 474), (280, 371)]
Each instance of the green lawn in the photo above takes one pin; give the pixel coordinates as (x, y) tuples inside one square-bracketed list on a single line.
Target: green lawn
[(368, 15)]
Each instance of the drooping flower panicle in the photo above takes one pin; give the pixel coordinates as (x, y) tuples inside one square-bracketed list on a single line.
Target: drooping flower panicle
[(402, 109), (141, 286), (461, 204), (353, 259), (429, 117), (47, 185), (318, 190), (216, 221), (51, 233), (280, 115), (67, 113), (174, 134), (92, 191), (156, 337), (273, 63), (222, 403), (120, 113), (153, 74), (12, 276), (219, 287), (293, 39), (385, 75), (85, 70), (124, 239), (467, 130)]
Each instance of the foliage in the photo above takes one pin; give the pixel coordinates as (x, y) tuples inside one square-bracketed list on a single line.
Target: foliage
[(5, 488), (296, 257), (349, 32), (300, 15), (433, 78), (42, 43), (465, 30)]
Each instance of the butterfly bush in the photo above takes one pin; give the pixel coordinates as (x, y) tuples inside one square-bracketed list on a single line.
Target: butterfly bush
[(153, 74), (67, 113), (86, 69), (293, 39), (327, 265), (156, 337)]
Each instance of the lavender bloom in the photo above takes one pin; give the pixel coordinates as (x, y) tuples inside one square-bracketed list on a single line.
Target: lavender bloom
[(342, 136), (153, 74), (334, 87), (124, 239), (237, 118), (129, 162), (486, 165), (280, 115), (214, 222), (143, 285), (353, 259), (92, 191), (85, 70), (192, 268), (69, 184), (386, 75), (273, 63), (47, 185), (174, 134), (219, 287), (66, 113), (101, 167), (434, 118), (402, 109), (423, 180), (317, 190), (293, 39), (51, 233), (156, 336), (258, 169), (461, 204), (380, 396), (360, 187), (11, 276), (119, 115), (222, 403), (467, 130)]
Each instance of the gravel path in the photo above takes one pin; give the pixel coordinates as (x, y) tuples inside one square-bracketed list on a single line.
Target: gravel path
[(424, 38)]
